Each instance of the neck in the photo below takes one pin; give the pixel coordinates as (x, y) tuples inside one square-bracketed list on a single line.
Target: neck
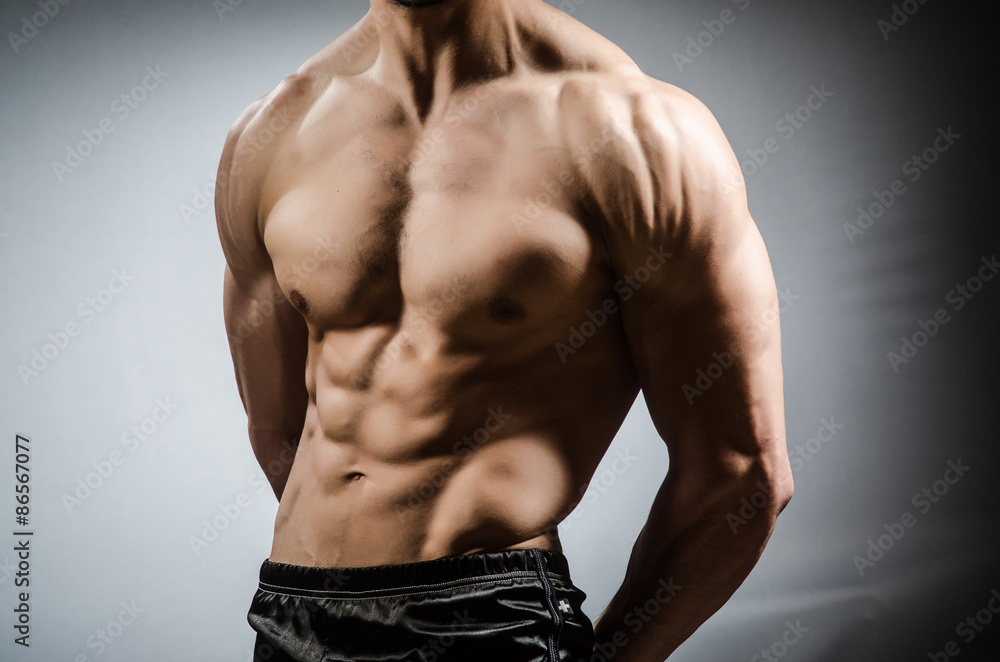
[(435, 46)]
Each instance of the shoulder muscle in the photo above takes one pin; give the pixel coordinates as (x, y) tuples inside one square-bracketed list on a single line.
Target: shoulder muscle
[(246, 155)]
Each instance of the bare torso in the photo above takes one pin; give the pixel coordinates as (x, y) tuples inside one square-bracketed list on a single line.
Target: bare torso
[(459, 241), (440, 263)]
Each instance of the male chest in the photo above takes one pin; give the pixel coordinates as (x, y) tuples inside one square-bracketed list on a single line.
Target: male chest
[(474, 221)]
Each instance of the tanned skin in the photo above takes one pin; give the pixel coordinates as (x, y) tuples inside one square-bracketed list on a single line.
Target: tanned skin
[(413, 223)]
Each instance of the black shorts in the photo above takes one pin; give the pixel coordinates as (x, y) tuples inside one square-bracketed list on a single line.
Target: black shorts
[(510, 606)]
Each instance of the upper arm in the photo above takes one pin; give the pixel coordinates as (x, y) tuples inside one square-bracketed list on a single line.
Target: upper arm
[(268, 338), (236, 196), (702, 324)]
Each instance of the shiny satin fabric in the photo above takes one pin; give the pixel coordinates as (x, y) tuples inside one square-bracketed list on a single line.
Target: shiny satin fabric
[(509, 606)]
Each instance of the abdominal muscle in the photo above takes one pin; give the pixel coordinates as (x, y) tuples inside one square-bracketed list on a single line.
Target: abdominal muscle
[(447, 465), (378, 513)]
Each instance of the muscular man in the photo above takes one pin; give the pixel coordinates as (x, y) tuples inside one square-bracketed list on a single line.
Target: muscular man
[(460, 240)]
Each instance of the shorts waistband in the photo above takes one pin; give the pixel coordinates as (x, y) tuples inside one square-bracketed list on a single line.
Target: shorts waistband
[(477, 565)]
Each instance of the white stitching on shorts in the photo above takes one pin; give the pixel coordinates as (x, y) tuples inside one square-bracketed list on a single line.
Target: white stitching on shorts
[(371, 594)]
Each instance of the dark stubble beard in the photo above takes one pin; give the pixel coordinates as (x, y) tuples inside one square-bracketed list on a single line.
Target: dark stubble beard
[(416, 4)]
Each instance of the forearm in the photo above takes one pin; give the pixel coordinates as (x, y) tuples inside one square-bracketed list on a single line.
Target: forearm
[(679, 575), (275, 453), (269, 344)]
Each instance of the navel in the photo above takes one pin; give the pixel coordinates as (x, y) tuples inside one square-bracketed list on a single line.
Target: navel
[(507, 311)]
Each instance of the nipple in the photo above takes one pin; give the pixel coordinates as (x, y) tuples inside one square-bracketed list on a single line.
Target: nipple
[(299, 302)]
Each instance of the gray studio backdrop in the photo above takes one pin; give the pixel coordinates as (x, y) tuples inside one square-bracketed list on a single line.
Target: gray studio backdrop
[(869, 164)]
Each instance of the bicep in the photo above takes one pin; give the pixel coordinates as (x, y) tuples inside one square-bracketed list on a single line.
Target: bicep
[(269, 341), (706, 342), (703, 330)]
